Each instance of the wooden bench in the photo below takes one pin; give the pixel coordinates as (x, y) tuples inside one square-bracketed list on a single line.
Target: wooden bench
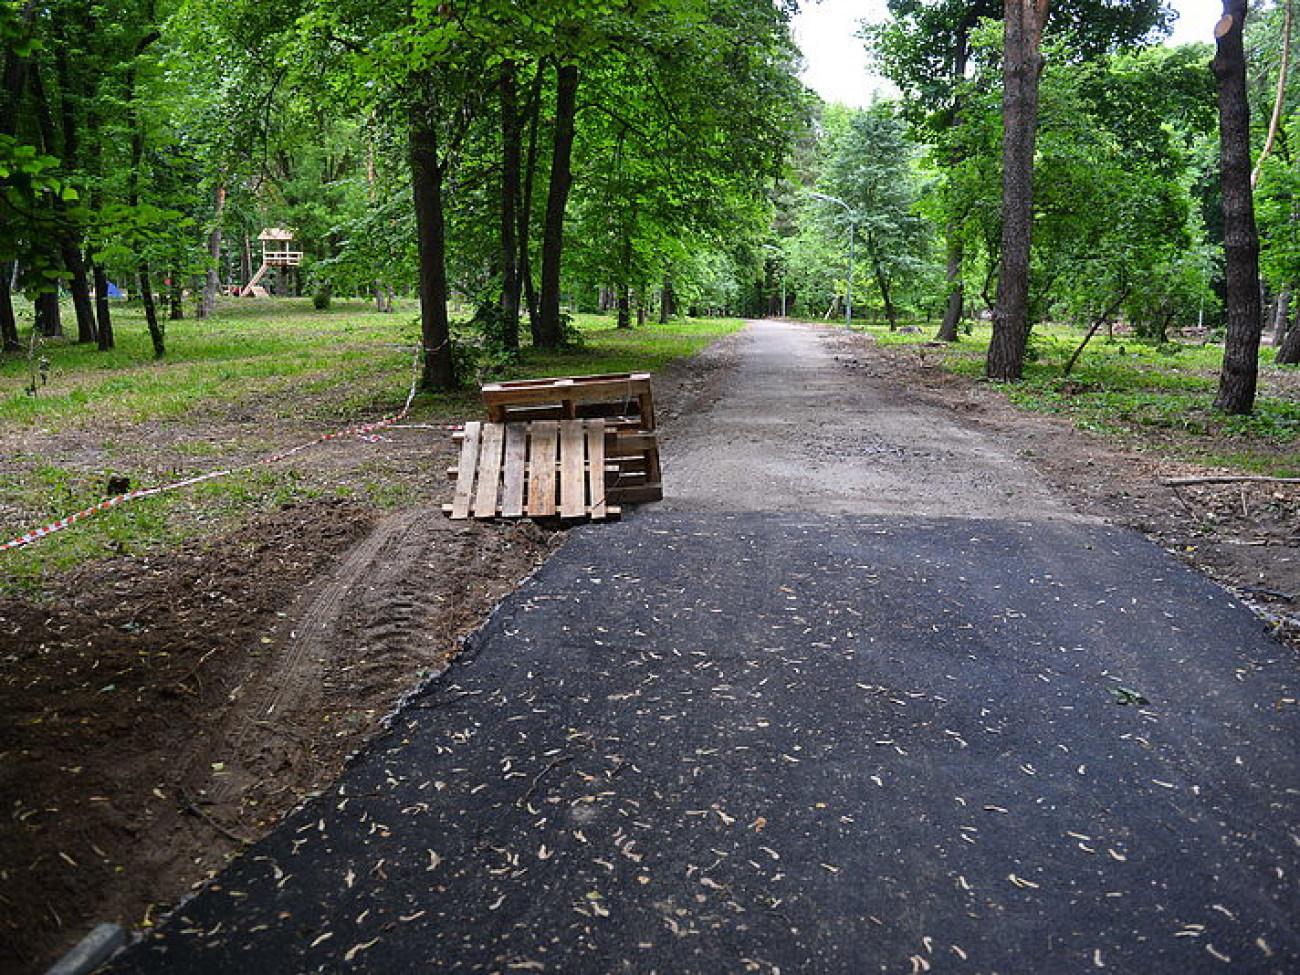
[(623, 400), (544, 469)]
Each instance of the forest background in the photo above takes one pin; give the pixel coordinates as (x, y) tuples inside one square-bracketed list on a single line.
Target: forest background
[(512, 165)]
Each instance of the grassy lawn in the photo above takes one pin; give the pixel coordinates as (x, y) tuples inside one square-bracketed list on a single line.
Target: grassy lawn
[(259, 376), (1153, 397)]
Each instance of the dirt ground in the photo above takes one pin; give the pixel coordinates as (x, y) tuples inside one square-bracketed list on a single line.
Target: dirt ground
[(159, 713)]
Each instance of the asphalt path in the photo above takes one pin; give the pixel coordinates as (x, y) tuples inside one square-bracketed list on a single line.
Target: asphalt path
[(818, 741)]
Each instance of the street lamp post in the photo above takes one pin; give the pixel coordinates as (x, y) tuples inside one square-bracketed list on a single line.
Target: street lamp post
[(853, 233), (780, 256)]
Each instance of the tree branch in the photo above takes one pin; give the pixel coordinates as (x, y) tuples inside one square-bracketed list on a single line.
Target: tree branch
[(1277, 101), (1227, 479)]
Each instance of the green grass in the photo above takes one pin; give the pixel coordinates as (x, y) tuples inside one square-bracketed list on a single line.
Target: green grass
[(607, 349), (1154, 397), (261, 372)]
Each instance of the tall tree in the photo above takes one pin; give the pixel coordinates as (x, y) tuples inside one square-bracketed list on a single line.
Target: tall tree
[(870, 169), (1022, 67), (927, 50), (1239, 375), (548, 330)]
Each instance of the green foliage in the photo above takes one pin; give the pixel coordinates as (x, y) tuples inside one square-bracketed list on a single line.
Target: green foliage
[(869, 167)]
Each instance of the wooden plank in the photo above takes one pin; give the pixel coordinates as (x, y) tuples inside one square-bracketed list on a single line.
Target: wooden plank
[(596, 470), (573, 493), (636, 494), (489, 471), (468, 463), (571, 397), (541, 468), (512, 492)]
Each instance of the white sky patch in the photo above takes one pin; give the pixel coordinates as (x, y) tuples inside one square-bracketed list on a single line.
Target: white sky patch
[(837, 68)]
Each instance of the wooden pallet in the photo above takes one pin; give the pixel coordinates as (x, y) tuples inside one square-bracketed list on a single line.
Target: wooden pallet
[(545, 469), (623, 400)]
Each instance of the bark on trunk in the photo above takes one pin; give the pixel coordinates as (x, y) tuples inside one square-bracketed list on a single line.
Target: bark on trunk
[(1239, 375), (1022, 66), (511, 166), (156, 334), (103, 316), (548, 330), (426, 185)]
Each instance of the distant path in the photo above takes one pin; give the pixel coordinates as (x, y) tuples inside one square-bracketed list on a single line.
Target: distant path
[(760, 739), (801, 429)]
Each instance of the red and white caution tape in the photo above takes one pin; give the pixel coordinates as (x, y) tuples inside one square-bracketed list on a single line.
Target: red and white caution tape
[(365, 432)]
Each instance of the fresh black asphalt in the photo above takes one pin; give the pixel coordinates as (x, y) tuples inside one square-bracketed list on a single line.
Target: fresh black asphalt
[(759, 742)]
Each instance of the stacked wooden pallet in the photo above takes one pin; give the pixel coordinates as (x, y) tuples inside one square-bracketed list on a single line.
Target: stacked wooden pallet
[(623, 400), (566, 448)]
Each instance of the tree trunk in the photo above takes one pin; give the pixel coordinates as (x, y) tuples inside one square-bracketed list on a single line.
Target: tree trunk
[(1278, 99), (511, 166), (9, 341), (156, 334), (624, 306), (1281, 308), (71, 242), (548, 330), (212, 280), (49, 322), (426, 185), (79, 286), (625, 276), (103, 316), (176, 298), (667, 301), (525, 266), (1022, 67), (882, 282), (1288, 351), (1239, 375), (956, 289)]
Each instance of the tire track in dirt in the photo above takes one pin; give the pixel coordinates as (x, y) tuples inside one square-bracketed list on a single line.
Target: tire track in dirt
[(389, 615), (304, 653)]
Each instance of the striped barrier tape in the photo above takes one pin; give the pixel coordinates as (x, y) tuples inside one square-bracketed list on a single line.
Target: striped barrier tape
[(364, 431)]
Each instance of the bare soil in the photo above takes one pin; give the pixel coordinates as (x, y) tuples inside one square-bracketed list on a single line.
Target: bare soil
[(158, 713)]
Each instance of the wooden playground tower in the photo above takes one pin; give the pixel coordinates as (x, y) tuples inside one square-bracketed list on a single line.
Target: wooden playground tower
[(275, 253)]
